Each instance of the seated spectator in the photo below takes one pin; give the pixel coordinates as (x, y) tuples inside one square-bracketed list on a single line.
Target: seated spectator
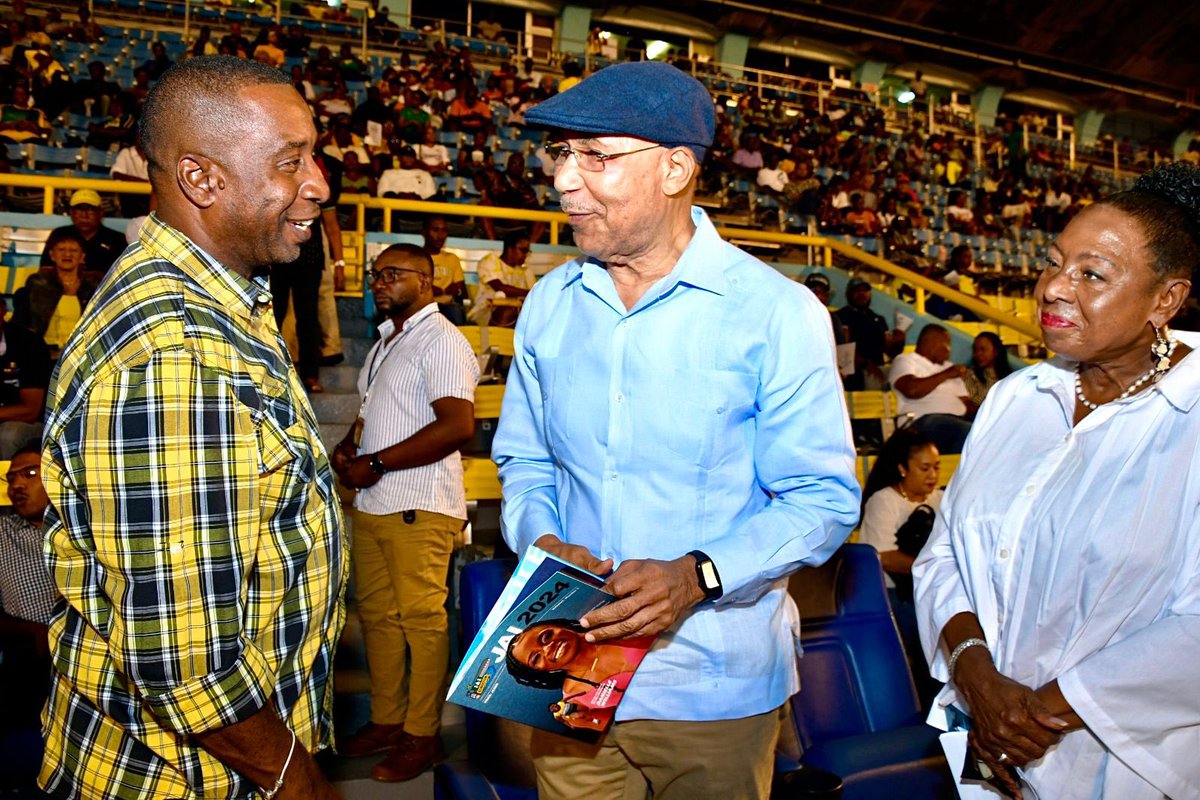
[(158, 62), (469, 113), (411, 118), (295, 42), (408, 181), (341, 139), (334, 101), (139, 91), (52, 301), (20, 122), (904, 191), (101, 244), (324, 69), (355, 177), (869, 332), (203, 44), (959, 216), (748, 158), (449, 282), (24, 376), (131, 165), (986, 221), (930, 389), (434, 157), (27, 598), (476, 157), (572, 74), (1057, 205), (888, 213), (903, 479), (819, 285), (303, 85), (771, 177), (512, 189), (943, 308), (352, 68), (860, 220), (234, 42), (839, 193), (91, 95), (270, 51), (989, 365), (500, 277), (119, 127), (373, 109), (801, 190)]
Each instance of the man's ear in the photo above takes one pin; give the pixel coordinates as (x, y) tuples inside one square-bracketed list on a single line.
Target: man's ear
[(680, 169), (200, 178)]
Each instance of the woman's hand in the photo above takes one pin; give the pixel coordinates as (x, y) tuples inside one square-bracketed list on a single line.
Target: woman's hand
[(1010, 720)]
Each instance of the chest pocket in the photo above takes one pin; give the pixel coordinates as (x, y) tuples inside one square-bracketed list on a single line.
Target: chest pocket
[(279, 432), (558, 403), (707, 412)]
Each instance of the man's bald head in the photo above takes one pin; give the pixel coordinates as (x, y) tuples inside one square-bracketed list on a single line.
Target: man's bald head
[(193, 102)]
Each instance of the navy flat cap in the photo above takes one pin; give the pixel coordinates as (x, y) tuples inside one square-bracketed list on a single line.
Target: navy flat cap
[(647, 99)]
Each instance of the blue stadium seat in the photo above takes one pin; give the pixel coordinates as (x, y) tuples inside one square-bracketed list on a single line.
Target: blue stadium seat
[(857, 714)]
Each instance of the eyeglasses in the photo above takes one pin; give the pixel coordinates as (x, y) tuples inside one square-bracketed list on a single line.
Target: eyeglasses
[(25, 472), (389, 274), (588, 160)]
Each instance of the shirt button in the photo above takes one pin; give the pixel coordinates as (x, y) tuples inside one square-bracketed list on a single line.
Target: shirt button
[(612, 477), (263, 298), (1030, 489), (619, 397), (1004, 553)]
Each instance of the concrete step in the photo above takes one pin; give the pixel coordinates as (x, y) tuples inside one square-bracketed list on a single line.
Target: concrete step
[(351, 319), (342, 379), (355, 349), (339, 408)]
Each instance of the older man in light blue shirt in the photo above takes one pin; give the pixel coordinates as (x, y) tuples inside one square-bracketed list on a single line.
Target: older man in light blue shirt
[(674, 409)]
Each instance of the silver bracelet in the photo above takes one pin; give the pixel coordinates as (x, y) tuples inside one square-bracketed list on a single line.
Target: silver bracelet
[(274, 790), (962, 646)]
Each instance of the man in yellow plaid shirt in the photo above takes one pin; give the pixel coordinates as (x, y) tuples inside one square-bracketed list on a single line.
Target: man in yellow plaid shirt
[(194, 529)]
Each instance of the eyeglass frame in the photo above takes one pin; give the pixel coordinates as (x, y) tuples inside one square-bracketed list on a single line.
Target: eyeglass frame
[(373, 275), (565, 150)]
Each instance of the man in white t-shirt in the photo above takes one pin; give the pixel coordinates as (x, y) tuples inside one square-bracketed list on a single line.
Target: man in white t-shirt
[(930, 388), (503, 276), (408, 181)]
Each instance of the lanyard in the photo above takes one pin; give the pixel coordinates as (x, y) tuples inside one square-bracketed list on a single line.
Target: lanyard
[(386, 351)]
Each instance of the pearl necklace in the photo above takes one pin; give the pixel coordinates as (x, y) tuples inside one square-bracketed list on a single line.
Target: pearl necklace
[(1154, 372)]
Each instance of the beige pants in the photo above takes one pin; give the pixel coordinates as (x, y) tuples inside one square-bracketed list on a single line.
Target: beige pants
[(724, 760), (400, 572)]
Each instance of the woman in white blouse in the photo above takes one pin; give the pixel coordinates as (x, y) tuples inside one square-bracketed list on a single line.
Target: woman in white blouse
[(1060, 592), (904, 476)]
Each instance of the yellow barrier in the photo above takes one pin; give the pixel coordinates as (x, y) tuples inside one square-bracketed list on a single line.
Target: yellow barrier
[(1026, 327)]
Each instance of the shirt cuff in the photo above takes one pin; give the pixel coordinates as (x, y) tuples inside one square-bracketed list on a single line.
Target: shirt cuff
[(217, 699)]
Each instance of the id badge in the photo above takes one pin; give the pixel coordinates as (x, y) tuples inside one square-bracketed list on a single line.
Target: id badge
[(358, 429)]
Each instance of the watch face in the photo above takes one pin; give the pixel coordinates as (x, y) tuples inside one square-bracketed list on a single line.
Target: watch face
[(708, 574)]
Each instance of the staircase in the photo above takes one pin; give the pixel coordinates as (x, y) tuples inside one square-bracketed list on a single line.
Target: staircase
[(336, 409)]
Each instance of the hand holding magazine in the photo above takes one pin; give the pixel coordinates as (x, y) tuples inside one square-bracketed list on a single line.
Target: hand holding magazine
[(530, 662)]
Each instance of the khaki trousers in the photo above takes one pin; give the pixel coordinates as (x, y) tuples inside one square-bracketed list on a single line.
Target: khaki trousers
[(724, 760), (400, 574)]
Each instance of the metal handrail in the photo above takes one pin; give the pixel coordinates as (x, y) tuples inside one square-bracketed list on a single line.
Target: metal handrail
[(362, 202)]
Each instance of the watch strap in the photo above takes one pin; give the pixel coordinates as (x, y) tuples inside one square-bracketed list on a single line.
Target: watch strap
[(707, 576), (377, 465)]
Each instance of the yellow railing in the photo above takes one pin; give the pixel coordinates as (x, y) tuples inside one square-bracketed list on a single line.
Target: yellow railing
[(554, 218)]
